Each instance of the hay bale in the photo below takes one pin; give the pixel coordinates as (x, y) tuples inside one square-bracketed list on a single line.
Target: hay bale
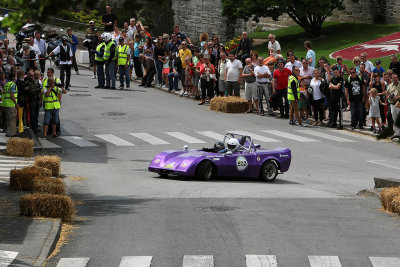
[(47, 205), (48, 185), (387, 195), (22, 179), (52, 163), (230, 104), (20, 147), (396, 204)]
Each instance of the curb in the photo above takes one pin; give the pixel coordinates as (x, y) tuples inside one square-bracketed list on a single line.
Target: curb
[(382, 182), (50, 243), (370, 192)]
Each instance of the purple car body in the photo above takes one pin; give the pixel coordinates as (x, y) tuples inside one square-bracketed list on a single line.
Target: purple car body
[(246, 162)]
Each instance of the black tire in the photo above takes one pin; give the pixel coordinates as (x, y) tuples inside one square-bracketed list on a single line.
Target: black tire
[(269, 171), (162, 174), (205, 171)]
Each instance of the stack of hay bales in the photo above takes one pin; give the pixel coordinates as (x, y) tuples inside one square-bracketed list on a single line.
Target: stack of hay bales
[(47, 197), (20, 147), (230, 104), (390, 199)]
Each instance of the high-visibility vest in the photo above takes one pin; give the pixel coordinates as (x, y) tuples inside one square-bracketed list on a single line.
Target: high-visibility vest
[(107, 51), (6, 96), (98, 49), (44, 84), (52, 101), (290, 95), (122, 55)]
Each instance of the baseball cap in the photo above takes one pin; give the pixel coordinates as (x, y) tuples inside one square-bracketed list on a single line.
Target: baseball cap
[(91, 21), (68, 29), (377, 61)]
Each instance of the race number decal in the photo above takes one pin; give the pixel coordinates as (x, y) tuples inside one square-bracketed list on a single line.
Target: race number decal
[(241, 163)]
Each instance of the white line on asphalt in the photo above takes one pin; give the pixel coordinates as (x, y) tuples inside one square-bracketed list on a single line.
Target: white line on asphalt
[(15, 161), (7, 257), (115, 140), (324, 261), (256, 136), (14, 158), (324, 135), (150, 138), (198, 261), (79, 141), (385, 261), (379, 162), (186, 138), (261, 261), (136, 261), (213, 135), (358, 135), (13, 165), (76, 262), (290, 136)]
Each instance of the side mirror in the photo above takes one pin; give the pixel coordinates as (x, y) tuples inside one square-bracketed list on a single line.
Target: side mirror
[(257, 146), (228, 153)]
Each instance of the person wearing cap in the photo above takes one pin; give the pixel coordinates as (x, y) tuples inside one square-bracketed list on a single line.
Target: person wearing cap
[(91, 30), (42, 48), (378, 69), (123, 58), (165, 38), (65, 52), (73, 41)]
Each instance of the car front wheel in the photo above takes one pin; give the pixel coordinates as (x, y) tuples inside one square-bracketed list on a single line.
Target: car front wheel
[(269, 171), (205, 171)]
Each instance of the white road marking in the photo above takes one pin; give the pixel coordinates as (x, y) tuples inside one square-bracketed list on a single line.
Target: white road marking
[(379, 162), (14, 165), (385, 261), (75, 262), (186, 138), (15, 161), (358, 135), (261, 261), (213, 135), (152, 140), (79, 141), (324, 261), (198, 261), (325, 136), (114, 140), (7, 257), (256, 136), (290, 136), (136, 261), (3, 147)]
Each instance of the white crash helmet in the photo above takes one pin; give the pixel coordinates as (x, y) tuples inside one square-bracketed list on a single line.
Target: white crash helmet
[(102, 35), (107, 36), (233, 144)]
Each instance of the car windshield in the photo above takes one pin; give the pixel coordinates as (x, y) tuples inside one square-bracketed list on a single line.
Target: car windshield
[(244, 140)]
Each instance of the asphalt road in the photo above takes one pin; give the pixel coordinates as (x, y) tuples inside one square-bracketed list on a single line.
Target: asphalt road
[(310, 210)]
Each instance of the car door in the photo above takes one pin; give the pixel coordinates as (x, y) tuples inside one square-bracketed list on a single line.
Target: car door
[(238, 164)]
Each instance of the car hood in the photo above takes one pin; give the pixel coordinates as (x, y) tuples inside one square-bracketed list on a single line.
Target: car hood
[(173, 159)]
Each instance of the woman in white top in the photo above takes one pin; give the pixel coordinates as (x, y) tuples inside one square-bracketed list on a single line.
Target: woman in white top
[(318, 98), (116, 33)]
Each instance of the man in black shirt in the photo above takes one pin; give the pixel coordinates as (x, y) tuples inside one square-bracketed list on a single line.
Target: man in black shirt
[(245, 45), (335, 87), (355, 96), (34, 96), (108, 20), (395, 64)]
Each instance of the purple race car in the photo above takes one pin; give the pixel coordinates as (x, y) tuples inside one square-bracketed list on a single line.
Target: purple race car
[(236, 155)]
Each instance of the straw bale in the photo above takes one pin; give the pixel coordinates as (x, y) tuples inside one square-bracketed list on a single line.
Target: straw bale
[(48, 185), (230, 104), (20, 147), (47, 205), (22, 179), (49, 162), (387, 195)]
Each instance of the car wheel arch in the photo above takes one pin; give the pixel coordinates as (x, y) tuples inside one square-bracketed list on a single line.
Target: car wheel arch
[(215, 168), (276, 161)]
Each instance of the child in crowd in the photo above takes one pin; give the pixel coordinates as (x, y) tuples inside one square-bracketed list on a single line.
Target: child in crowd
[(303, 101), (165, 70), (189, 73), (374, 112)]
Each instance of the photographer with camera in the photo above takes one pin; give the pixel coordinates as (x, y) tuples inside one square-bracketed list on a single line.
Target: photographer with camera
[(52, 105), (393, 97)]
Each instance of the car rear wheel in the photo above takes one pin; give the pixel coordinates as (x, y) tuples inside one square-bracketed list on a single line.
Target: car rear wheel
[(205, 171), (269, 171)]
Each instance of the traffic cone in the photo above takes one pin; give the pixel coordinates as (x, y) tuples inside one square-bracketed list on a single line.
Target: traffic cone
[(21, 123)]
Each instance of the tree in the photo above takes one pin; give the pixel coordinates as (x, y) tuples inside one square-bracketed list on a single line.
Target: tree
[(309, 14)]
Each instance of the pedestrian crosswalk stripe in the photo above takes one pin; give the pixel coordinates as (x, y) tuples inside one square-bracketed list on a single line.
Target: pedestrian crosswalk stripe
[(325, 136), (261, 261), (7, 257), (256, 136), (357, 135), (76, 262), (213, 135), (186, 138), (136, 261), (79, 141), (290, 136), (324, 261), (14, 161), (114, 140), (385, 261), (150, 138), (198, 261), (14, 165)]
